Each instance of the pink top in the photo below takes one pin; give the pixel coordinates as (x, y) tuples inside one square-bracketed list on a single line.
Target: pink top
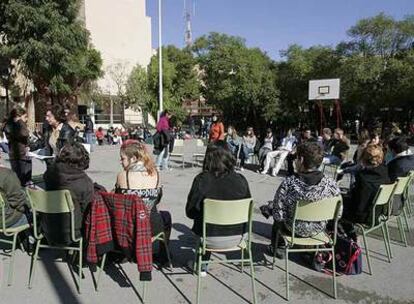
[(163, 124)]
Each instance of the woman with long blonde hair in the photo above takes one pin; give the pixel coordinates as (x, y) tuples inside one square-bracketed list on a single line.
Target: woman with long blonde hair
[(140, 177)]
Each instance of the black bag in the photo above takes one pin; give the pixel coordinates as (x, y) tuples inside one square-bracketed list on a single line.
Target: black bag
[(348, 256)]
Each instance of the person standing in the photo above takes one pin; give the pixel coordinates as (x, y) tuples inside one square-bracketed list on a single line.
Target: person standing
[(18, 137), (89, 131), (60, 132), (163, 129), (216, 132), (249, 143)]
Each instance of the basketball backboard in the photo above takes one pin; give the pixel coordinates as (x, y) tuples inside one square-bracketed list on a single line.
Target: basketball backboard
[(324, 89)]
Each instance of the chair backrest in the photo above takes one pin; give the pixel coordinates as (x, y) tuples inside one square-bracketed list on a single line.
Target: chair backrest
[(199, 143), (382, 200), (59, 201), (178, 146), (402, 184), (228, 212), (52, 202), (323, 210)]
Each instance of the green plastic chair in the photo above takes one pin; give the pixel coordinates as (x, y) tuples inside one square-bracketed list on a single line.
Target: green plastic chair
[(53, 202), (410, 194), (323, 210), (383, 199), (231, 212), (401, 189), (10, 232)]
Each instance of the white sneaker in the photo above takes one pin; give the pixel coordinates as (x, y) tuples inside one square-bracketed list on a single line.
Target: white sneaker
[(274, 174), (241, 169), (263, 172)]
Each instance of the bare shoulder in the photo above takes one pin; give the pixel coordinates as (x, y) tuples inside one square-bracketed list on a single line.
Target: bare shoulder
[(121, 179)]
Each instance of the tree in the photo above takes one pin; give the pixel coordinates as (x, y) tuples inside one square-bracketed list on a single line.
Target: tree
[(51, 45), (137, 93), (180, 80), (238, 80)]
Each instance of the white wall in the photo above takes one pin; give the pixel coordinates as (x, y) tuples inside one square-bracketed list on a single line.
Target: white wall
[(121, 31)]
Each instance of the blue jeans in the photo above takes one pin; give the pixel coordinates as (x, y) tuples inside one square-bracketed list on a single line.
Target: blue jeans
[(4, 147), (22, 221), (89, 139), (162, 159)]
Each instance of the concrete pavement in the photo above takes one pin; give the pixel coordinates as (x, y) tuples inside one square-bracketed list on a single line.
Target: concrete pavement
[(391, 283)]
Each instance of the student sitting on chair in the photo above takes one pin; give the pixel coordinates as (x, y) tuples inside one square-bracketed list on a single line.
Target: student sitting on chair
[(339, 149), (14, 199), (287, 145), (307, 184), (373, 173), (217, 181)]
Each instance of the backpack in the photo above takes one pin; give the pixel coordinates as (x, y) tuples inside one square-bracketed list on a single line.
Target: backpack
[(348, 256)]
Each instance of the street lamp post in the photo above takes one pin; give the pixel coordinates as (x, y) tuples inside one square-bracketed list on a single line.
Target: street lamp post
[(160, 58)]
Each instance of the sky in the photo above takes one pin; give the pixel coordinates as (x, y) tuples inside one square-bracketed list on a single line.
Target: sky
[(271, 25)]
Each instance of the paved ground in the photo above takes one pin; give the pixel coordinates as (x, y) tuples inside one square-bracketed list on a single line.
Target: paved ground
[(391, 283)]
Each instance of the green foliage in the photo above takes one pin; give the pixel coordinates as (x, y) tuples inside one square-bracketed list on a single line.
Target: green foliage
[(238, 80), (180, 80), (137, 92), (51, 45)]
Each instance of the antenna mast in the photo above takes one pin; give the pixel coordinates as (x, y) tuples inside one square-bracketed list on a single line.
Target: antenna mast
[(188, 34)]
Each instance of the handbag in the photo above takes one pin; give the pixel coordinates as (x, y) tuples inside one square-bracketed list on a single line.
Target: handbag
[(348, 257)]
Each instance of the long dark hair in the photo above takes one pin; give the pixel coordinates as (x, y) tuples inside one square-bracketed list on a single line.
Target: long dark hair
[(219, 160)]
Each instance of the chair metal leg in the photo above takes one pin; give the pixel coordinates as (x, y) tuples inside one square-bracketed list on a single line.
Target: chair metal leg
[(401, 230), (11, 265), (406, 219), (199, 277), (144, 292), (100, 271), (242, 263), (367, 253), (388, 238), (334, 274), (167, 250), (287, 273), (80, 265), (33, 266), (384, 235), (252, 276)]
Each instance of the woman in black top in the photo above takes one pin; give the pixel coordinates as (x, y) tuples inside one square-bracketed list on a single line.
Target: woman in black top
[(217, 181), (68, 173), (373, 173), (18, 137)]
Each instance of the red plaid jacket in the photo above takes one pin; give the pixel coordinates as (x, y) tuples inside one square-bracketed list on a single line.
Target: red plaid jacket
[(121, 221)]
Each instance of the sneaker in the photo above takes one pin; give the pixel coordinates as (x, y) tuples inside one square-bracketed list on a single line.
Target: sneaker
[(263, 172), (241, 169), (274, 174), (203, 272)]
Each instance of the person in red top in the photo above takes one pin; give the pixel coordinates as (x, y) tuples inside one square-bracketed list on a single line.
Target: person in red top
[(100, 136), (163, 127), (216, 130)]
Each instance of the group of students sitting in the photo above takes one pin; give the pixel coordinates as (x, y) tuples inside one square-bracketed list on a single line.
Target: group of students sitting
[(219, 180)]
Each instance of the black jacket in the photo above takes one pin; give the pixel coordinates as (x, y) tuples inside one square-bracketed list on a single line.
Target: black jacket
[(231, 186), (160, 141), (400, 166), (61, 176), (66, 134), (18, 136), (88, 125), (358, 206)]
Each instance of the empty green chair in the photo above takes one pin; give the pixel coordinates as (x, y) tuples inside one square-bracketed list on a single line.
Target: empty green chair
[(10, 232), (380, 216), (323, 210), (53, 202), (219, 212)]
